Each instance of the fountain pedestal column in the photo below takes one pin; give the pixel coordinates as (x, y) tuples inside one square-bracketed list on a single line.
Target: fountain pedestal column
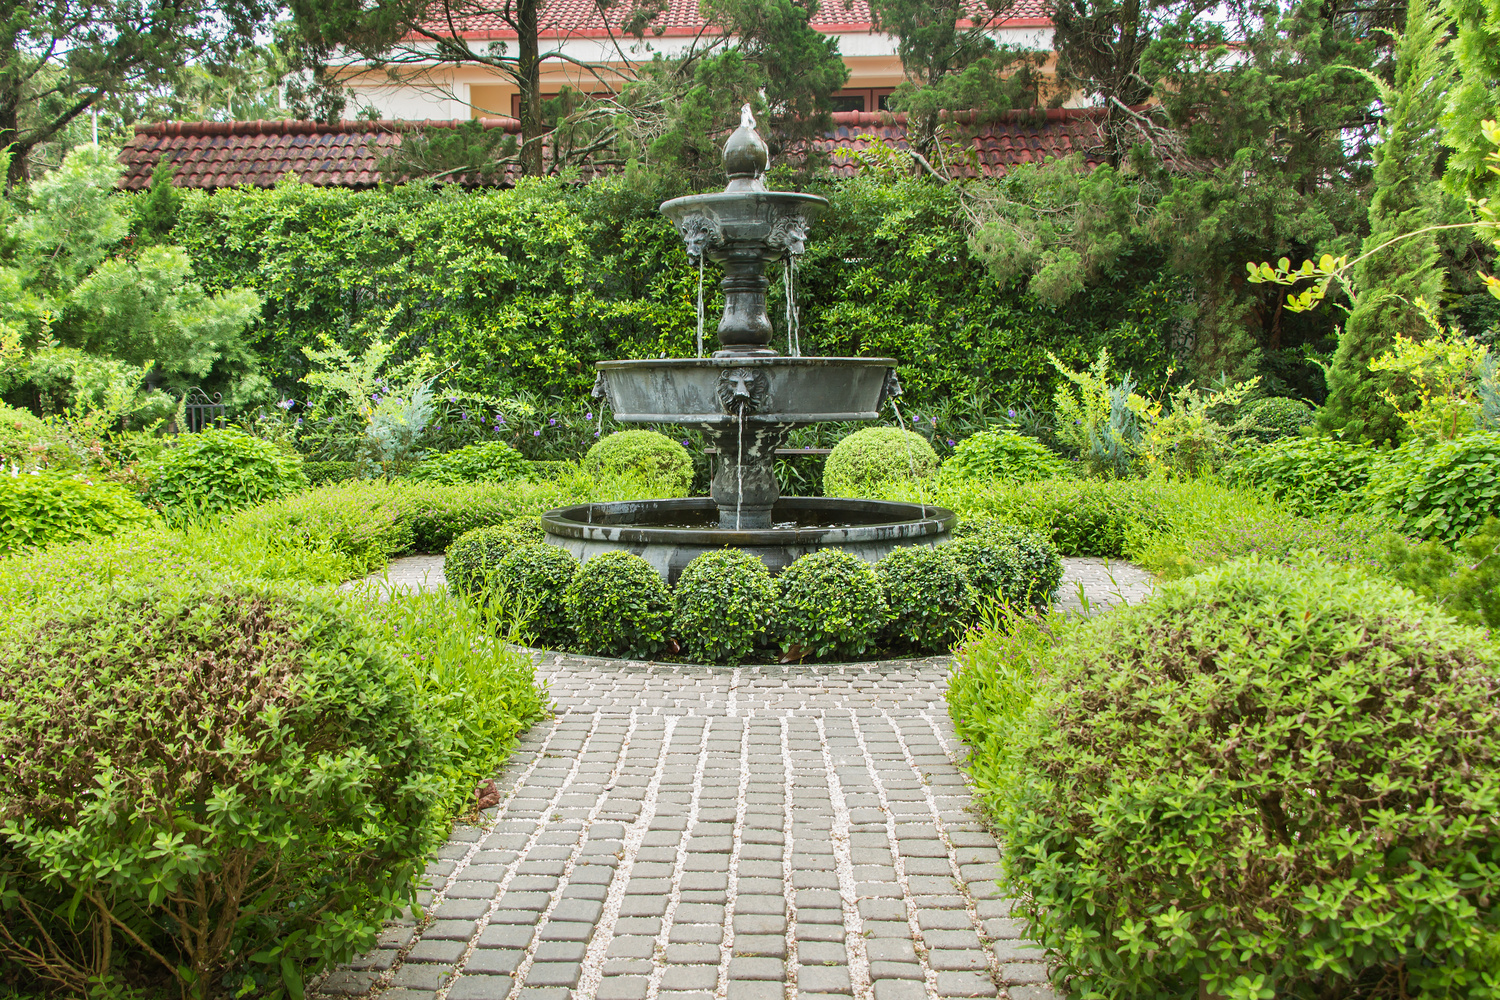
[(744, 486)]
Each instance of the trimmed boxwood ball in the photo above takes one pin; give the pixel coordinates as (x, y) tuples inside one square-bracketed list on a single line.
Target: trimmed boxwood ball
[(645, 455), (724, 601), (1006, 562), (618, 606), (830, 604), (1278, 417), (930, 599), (860, 463), (1276, 775), (1003, 454), (535, 577), (474, 556)]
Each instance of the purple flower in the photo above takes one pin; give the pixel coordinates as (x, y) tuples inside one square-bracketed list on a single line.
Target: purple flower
[(499, 418), (299, 421), (915, 419), (536, 434), (934, 421), (596, 434), (464, 415), (1011, 413), (287, 404), (552, 422), (588, 416), (950, 442), (685, 443)]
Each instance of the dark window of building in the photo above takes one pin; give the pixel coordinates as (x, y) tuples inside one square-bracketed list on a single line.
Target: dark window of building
[(848, 102)]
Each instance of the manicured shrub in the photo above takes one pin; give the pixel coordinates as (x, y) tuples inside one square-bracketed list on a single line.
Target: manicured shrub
[(1279, 535), (1310, 476), (534, 576), (474, 556), (723, 604), (1278, 417), (1464, 580), (619, 606), (830, 604), (865, 460), (319, 473), (1082, 517), (1440, 489), (221, 470), (38, 509), (642, 455), (1003, 454), (928, 595), (1265, 778), (234, 775), (491, 461), (1007, 562)]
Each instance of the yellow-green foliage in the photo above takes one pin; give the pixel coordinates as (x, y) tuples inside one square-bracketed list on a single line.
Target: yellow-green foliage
[(38, 509)]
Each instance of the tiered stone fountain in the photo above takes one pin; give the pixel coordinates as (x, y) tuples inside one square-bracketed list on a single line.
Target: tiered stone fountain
[(746, 398)]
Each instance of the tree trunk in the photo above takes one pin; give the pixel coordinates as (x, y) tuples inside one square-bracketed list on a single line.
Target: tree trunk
[(529, 80), (10, 108)]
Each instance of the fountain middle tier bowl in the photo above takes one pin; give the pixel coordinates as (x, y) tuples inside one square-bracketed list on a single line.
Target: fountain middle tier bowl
[(780, 390), (669, 534)]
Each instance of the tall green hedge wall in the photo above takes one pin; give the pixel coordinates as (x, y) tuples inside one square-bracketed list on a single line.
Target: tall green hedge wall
[(523, 289)]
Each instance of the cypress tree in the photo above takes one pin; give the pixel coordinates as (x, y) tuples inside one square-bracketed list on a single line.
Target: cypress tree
[(1407, 198)]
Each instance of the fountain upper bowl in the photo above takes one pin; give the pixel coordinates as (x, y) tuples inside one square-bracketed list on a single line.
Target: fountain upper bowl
[(768, 219), (780, 390)]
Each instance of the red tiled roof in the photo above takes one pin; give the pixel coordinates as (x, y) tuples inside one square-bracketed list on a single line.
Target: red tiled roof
[(583, 18), (229, 154)]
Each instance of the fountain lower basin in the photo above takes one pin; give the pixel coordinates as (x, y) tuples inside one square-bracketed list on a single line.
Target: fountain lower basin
[(669, 534)]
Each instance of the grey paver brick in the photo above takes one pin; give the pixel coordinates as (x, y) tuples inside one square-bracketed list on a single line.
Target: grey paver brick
[(494, 961), (480, 988), (690, 977), (893, 989), (769, 969), (554, 974), (823, 979)]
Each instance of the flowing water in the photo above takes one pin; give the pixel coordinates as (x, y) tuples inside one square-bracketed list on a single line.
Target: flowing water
[(911, 455), (700, 305), (739, 470), (793, 324)]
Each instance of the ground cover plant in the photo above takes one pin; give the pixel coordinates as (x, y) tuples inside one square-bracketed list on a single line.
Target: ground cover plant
[(1215, 786), (37, 509)]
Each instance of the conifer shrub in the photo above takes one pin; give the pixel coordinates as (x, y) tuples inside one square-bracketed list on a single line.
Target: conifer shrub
[(1003, 454), (868, 459), (1265, 779), (930, 600), (223, 790), (642, 455), (1464, 580), (1310, 476), (489, 461), (37, 509), (829, 604), (221, 470), (619, 606), (1440, 489), (723, 602), (1008, 563), (474, 556), (534, 578)]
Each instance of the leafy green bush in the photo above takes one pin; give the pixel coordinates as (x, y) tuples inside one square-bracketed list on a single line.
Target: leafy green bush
[(1082, 517), (220, 788), (319, 473), (1003, 454), (830, 604), (534, 577), (1463, 580), (38, 509), (1440, 489), (1266, 778), (23, 440), (1278, 417), (1310, 476), (643, 455), (222, 470), (723, 604), (474, 556), (619, 606), (1006, 562), (1278, 535), (928, 595), (867, 459), (491, 461)]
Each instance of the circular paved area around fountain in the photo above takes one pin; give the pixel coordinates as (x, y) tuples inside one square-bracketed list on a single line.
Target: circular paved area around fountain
[(695, 833)]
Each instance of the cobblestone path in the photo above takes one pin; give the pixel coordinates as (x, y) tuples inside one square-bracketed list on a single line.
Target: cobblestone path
[(691, 833)]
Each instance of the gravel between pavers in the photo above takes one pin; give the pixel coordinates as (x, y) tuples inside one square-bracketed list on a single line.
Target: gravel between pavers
[(706, 833)]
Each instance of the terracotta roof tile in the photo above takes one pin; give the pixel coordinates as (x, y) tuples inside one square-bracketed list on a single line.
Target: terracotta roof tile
[(345, 154)]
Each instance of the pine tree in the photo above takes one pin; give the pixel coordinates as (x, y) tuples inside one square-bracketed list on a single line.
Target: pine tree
[(1407, 199)]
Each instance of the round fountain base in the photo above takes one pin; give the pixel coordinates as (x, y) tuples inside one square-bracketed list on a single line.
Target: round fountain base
[(669, 534)]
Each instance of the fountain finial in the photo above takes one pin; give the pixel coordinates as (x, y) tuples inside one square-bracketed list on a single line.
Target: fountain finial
[(746, 156)]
